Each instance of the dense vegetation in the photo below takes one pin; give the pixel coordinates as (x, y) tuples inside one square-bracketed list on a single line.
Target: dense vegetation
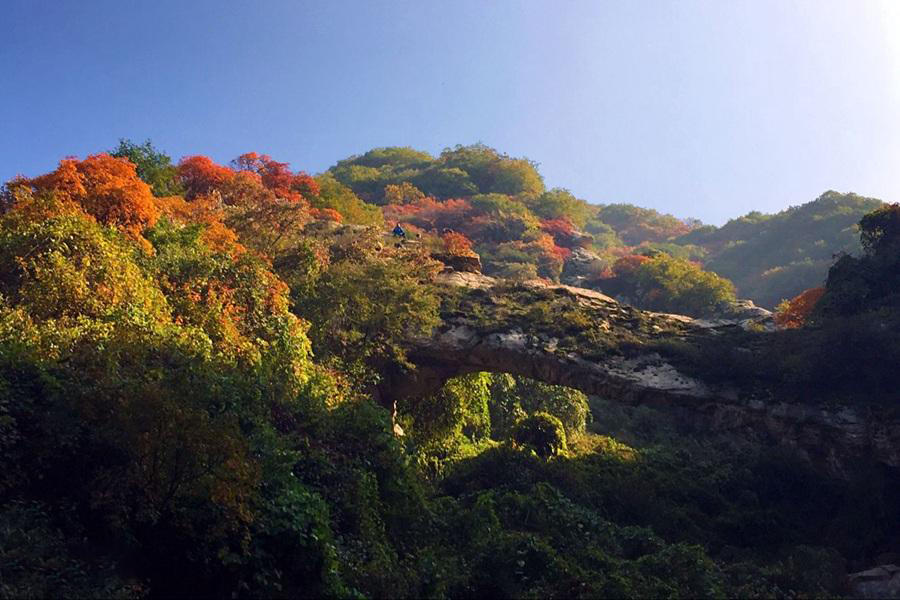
[(773, 257), (189, 355), (522, 230)]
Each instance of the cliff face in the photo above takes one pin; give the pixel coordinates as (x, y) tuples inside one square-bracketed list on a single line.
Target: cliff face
[(583, 339)]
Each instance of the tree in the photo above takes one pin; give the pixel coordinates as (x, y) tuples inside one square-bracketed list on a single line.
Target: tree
[(335, 195), (206, 213), (277, 176), (402, 193), (457, 244), (445, 183), (635, 225), (492, 172), (677, 285), (199, 175), (604, 236), (66, 266), (559, 203), (795, 312), (104, 187), (366, 302), (154, 167), (879, 230)]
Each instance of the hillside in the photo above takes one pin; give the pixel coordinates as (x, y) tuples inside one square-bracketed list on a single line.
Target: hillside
[(522, 230), (199, 366), (773, 257)]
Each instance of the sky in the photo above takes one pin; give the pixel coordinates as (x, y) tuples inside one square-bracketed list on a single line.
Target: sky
[(706, 109)]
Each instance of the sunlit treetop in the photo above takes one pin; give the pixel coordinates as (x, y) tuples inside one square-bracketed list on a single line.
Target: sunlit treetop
[(104, 187), (277, 176)]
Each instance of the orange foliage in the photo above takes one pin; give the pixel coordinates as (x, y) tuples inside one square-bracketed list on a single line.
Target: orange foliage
[(277, 176), (562, 226), (428, 213), (793, 313), (628, 264), (104, 187), (548, 246), (457, 244), (200, 175), (204, 210), (328, 214), (246, 189)]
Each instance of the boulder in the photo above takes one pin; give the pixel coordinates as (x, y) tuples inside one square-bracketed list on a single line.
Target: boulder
[(466, 263), (879, 582), (581, 266)]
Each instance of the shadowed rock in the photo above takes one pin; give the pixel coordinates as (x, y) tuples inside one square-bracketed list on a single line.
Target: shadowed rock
[(583, 339)]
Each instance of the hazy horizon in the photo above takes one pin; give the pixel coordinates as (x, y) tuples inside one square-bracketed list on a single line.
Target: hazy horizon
[(697, 109)]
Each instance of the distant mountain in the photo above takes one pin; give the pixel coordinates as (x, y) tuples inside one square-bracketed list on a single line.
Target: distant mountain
[(772, 257)]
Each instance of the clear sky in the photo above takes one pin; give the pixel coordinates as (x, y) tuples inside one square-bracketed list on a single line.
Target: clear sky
[(708, 109)]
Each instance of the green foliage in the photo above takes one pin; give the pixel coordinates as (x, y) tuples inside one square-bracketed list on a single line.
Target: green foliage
[(605, 237), (458, 172), (676, 285), (512, 398), (459, 409), (668, 284), (42, 561), (492, 172), (445, 183), (541, 432), (367, 175), (559, 203), (451, 424), (880, 230), (166, 430), (773, 257), (333, 194), (635, 225), (68, 266), (368, 301), (154, 167)]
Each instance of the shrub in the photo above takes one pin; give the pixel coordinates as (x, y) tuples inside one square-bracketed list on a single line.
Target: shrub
[(543, 433)]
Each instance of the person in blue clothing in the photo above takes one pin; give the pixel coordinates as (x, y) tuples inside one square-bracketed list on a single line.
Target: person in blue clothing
[(399, 231)]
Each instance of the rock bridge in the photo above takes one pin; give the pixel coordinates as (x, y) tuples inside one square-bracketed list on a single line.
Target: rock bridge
[(583, 339)]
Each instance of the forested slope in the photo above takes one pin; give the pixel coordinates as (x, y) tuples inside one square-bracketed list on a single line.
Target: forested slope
[(188, 353), (773, 257)]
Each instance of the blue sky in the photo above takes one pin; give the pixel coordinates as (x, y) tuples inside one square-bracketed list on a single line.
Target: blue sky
[(704, 109)]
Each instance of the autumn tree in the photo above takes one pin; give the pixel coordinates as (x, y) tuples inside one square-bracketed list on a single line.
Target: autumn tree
[(627, 265), (277, 176), (199, 175), (794, 313), (457, 244), (104, 187), (206, 213)]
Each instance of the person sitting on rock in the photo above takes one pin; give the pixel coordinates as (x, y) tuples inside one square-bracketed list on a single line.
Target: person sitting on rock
[(399, 231)]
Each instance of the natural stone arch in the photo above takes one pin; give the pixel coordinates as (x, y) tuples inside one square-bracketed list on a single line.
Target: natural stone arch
[(585, 340)]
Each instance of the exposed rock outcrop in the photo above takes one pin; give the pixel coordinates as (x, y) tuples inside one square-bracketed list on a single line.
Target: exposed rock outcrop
[(581, 266), (583, 339), (879, 582)]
